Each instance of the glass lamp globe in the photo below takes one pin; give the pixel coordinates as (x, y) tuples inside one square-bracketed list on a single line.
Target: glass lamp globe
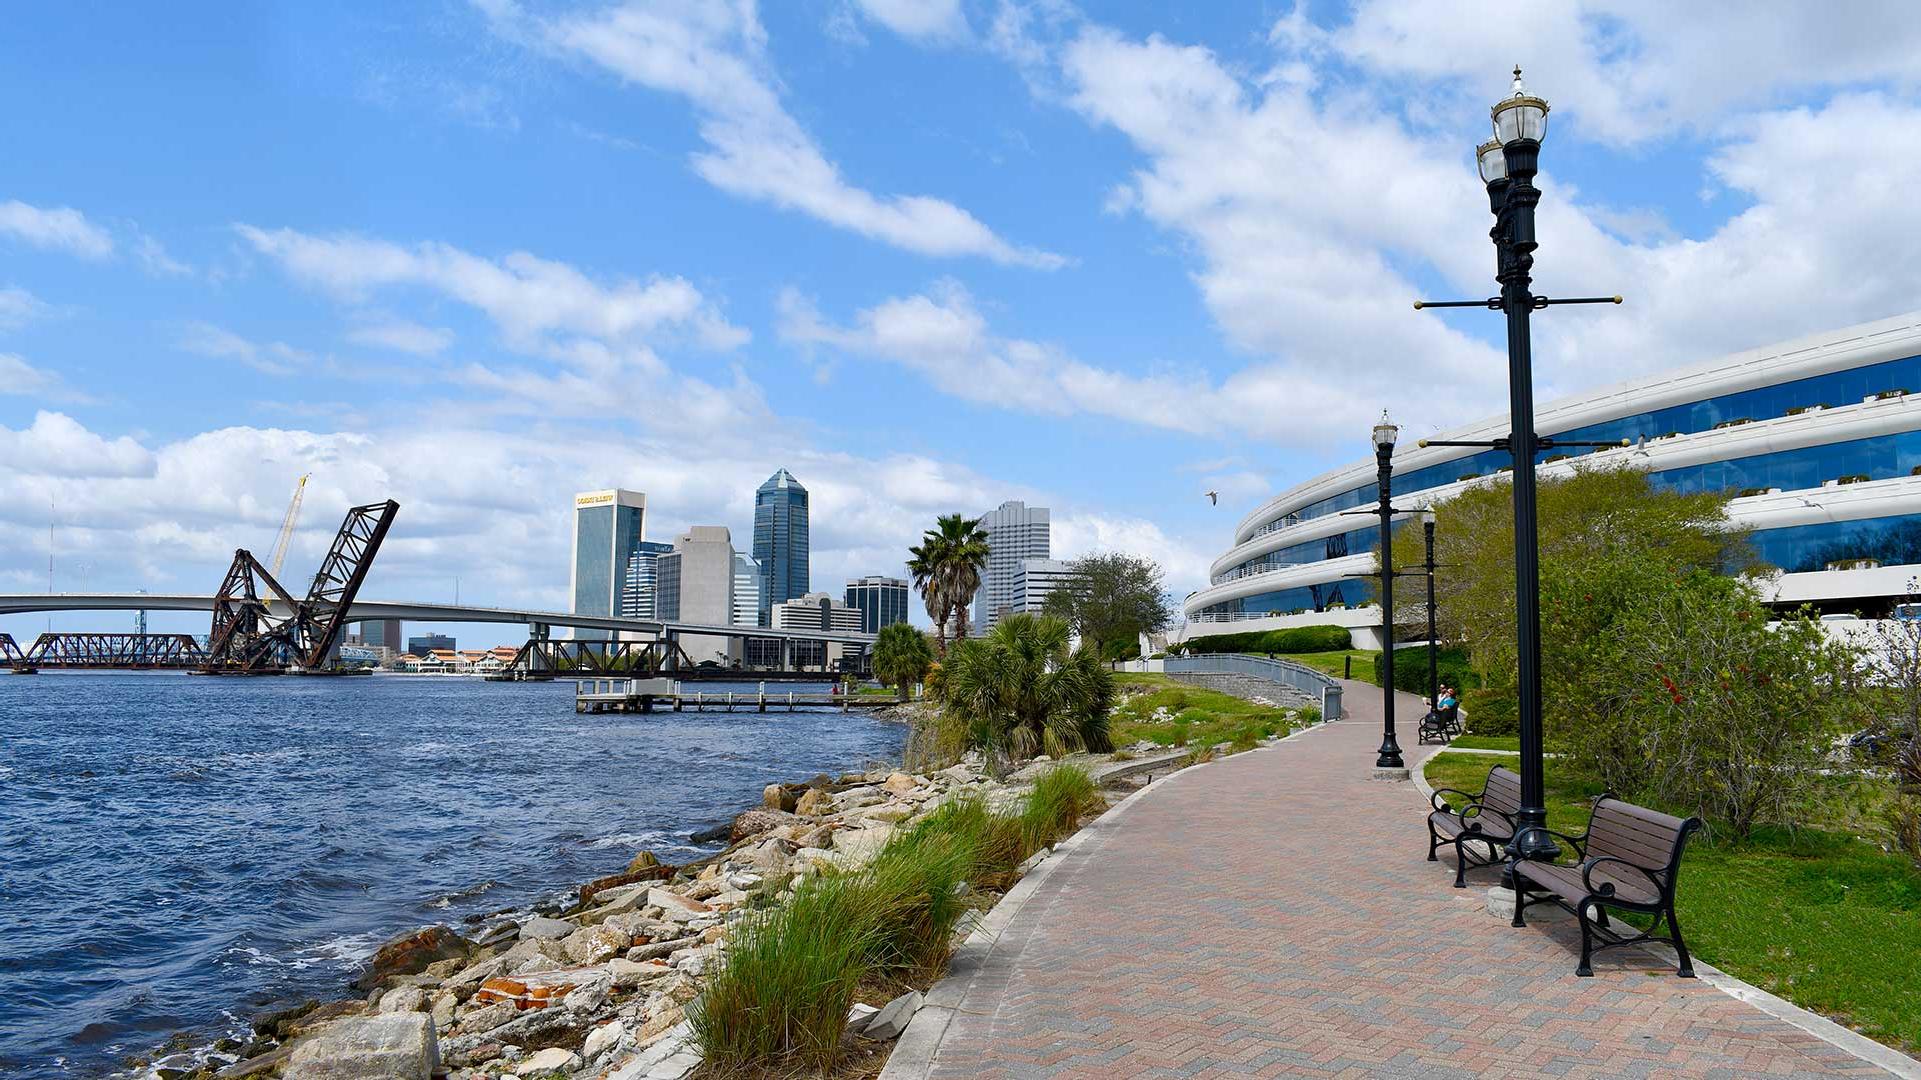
[(1520, 115), (1384, 433), (1492, 160)]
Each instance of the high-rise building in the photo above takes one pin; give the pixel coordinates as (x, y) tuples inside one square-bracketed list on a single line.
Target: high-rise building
[(780, 540), (1034, 582), (1016, 533), (746, 590), (667, 586), (817, 611), (607, 533), (882, 601), (640, 586), (426, 643), (384, 632), (702, 566)]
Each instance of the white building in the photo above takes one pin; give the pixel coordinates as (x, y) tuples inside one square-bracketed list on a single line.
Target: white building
[(1016, 533), (747, 587), (817, 611), (700, 571), (1817, 440), (1034, 581)]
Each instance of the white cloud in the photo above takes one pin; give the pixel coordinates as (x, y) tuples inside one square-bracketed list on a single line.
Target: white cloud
[(713, 53), (1078, 533), (19, 378), (921, 20), (56, 445), (271, 358), (58, 229), (19, 307), (527, 297), (399, 335), (153, 255)]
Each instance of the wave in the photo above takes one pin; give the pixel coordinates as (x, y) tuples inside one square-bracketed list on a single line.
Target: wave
[(346, 951)]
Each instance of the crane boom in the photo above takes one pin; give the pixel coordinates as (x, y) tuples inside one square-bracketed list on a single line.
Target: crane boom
[(286, 526)]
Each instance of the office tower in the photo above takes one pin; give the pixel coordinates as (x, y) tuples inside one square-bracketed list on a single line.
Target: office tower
[(427, 643), (667, 586), (780, 540), (702, 566), (1034, 581), (746, 591), (384, 632), (882, 601), (641, 584), (607, 532), (817, 611), (1016, 533)]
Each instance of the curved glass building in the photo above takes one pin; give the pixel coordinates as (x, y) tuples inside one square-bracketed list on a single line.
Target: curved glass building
[(1818, 441)]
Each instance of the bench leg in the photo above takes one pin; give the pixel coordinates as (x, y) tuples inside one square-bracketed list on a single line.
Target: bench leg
[(1686, 969), (1433, 842), (1586, 968), (1460, 864), (1520, 898)]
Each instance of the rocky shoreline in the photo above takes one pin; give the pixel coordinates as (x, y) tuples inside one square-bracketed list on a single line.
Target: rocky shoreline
[(597, 987)]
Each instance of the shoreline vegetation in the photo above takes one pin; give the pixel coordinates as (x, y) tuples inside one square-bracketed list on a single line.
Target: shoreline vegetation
[(799, 949)]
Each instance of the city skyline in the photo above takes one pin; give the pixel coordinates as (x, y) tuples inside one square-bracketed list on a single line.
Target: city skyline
[(1098, 261)]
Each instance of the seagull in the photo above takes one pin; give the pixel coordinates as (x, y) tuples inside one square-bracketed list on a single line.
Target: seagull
[(1213, 498)]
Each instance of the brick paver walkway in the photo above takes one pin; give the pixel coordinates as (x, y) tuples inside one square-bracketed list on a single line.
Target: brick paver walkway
[(1274, 914)]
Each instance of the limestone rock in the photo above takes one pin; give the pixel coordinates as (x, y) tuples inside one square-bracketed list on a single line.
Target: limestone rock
[(630, 973), (548, 1060), (596, 943), (893, 1017), (677, 907), (487, 1017), (441, 1008), (899, 783), (405, 999), (532, 954), (659, 1023), (779, 797), (393, 1046), (858, 1014), (754, 822), (413, 953), (541, 928), (815, 803), (602, 1039)]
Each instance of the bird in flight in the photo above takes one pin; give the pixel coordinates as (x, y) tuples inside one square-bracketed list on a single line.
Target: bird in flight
[(1213, 498)]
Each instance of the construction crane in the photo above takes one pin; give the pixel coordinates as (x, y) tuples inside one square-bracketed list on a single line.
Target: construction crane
[(286, 529)]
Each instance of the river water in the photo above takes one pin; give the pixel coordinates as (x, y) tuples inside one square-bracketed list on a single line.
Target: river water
[(178, 853)]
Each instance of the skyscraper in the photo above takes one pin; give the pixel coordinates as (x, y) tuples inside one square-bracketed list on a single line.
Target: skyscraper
[(780, 540), (746, 591), (882, 601), (702, 567), (607, 531), (1016, 533), (640, 589)]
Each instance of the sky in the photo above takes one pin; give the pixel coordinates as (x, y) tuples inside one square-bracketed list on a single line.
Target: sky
[(928, 256)]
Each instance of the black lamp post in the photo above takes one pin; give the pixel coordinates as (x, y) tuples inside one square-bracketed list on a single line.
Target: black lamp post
[(1384, 433), (1433, 643), (1508, 163)]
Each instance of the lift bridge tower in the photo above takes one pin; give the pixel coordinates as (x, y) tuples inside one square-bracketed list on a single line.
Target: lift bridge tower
[(258, 625)]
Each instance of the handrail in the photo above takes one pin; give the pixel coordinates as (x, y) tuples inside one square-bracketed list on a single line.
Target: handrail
[(1285, 672)]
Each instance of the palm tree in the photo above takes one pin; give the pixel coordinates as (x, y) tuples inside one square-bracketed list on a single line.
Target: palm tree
[(946, 566), (901, 656), (1019, 690)]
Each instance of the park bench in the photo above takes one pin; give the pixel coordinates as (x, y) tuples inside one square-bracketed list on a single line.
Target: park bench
[(1488, 818), (1440, 725), (1628, 860)]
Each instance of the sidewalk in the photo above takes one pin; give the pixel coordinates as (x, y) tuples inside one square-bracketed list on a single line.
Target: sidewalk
[(1273, 914)]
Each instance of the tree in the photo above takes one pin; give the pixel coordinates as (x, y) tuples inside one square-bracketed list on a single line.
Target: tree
[(1111, 599), (902, 656), (946, 566), (1893, 649), (1019, 691)]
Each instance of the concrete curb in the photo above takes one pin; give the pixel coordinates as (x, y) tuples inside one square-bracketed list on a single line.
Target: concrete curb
[(914, 1053), (1841, 1038)]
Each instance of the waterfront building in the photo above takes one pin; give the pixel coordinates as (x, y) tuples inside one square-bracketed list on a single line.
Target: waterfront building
[(1016, 533), (780, 540), (882, 601), (1034, 581), (817, 611), (1817, 440), (702, 566), (607, 533), (428, 643), (746, 607), (639, 591)]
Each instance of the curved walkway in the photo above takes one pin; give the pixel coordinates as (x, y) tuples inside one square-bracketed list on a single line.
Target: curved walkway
[(1273, 914)]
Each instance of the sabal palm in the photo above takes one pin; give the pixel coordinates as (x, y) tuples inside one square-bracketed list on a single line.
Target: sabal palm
[(946, 566), (1020, 690)]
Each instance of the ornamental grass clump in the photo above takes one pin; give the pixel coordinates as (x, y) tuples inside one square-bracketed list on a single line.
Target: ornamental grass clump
[(914, 889)]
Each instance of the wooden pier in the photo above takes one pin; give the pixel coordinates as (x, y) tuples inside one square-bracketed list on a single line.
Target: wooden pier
[(647, 695)]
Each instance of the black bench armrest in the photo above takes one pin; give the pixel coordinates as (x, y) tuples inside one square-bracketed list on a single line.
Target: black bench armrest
[(1607, 887), (1438, 803), (1578, 843)]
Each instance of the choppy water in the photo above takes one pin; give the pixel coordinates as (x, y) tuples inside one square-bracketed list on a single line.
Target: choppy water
[(179, 853)]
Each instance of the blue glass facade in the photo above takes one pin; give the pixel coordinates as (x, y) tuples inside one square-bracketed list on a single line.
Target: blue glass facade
[(1762, 403), (606, 538), (780, 541), (1890, 540)]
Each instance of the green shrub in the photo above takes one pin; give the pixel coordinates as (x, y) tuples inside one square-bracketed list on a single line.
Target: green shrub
[(1491, 712), (1297, 639), (1410, 670), (1177, 733), (1310, 714)]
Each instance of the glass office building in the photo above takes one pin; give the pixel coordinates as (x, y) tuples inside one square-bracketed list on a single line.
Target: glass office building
[(640, 590), (881, 601), (1817, 442), (607, 531), (780, 541)]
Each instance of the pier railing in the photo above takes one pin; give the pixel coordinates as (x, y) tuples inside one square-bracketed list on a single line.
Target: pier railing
[(1285, 672)]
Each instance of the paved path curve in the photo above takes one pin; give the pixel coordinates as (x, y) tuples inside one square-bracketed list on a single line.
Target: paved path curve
[(1273, 914)]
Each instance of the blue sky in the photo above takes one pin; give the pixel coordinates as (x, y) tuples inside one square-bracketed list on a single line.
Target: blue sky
[(928, 256)]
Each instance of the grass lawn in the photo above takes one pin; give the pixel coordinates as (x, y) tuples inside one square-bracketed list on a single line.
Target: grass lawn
[(1335, 663), (1828, 921), (1199, 717), (1488, 742)]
